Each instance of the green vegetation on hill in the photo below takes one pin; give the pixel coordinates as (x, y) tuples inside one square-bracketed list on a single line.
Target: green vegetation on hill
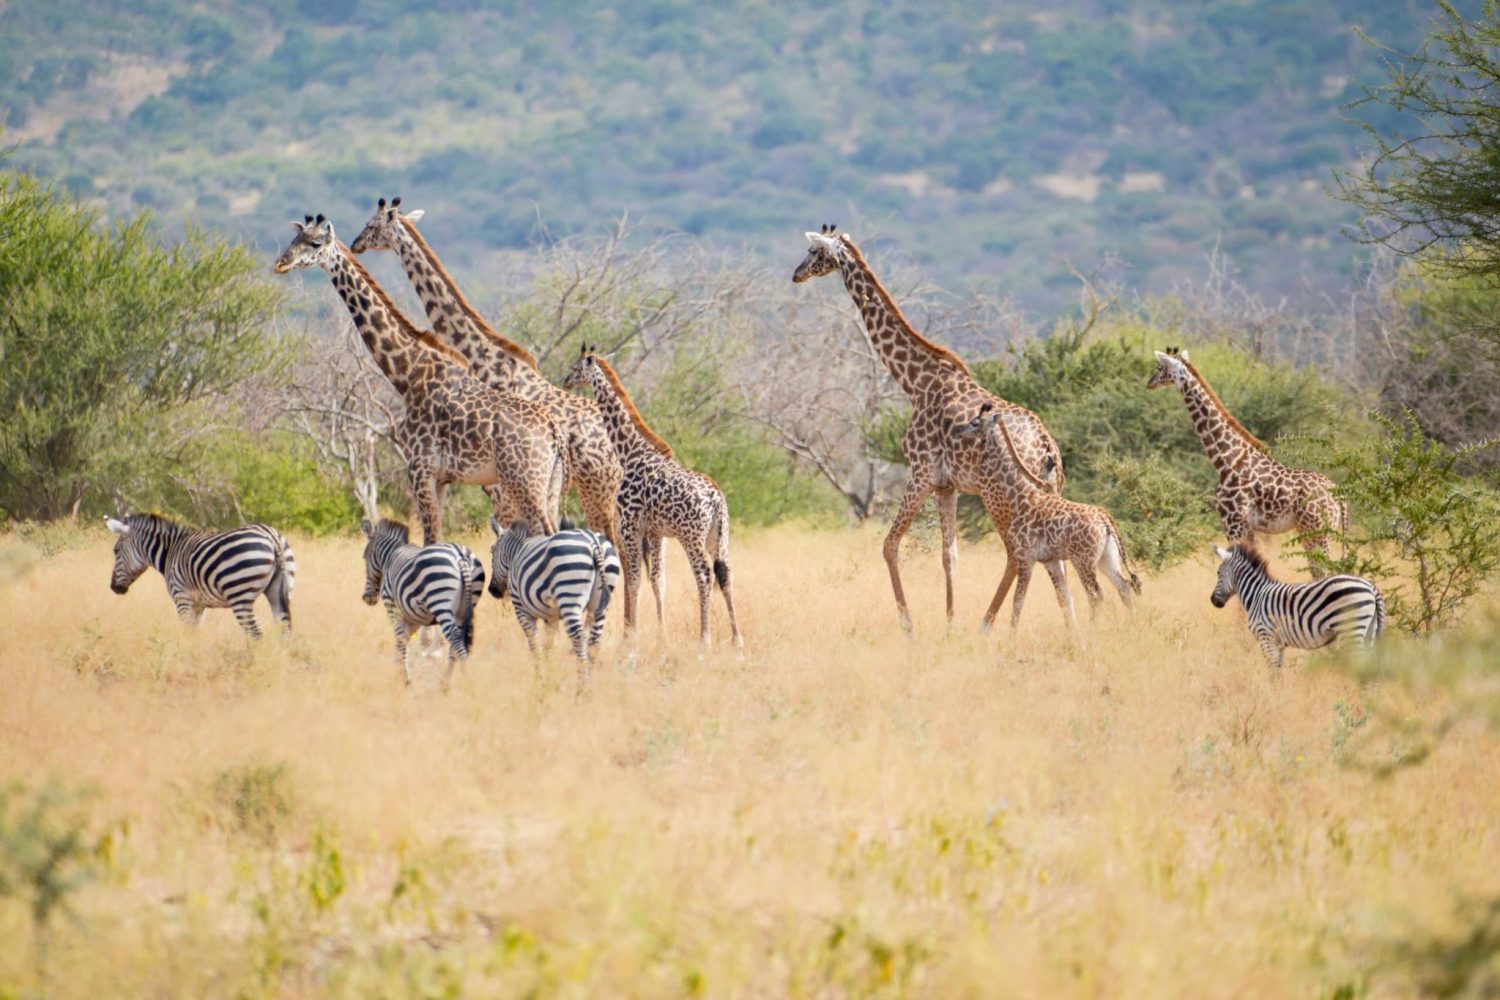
[(992, 142)]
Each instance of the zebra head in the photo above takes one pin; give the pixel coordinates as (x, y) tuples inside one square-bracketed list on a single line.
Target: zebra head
[(1230, 561), (131, 556), (385, 536), (503, 553), (1169, 368), (827, 253)]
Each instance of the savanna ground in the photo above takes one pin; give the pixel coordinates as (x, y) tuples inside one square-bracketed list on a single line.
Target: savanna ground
[(1143, 809)]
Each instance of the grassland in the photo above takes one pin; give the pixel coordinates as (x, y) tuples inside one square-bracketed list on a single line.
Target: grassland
[(1142, 809)]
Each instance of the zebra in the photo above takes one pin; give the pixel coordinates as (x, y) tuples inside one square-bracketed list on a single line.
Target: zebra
[(1334, 609), (208, 569), (422, 585), (568, 576)]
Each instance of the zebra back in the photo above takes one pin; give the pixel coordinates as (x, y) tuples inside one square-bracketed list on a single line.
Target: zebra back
[(1302, 615), (222, 568), (548, 573)]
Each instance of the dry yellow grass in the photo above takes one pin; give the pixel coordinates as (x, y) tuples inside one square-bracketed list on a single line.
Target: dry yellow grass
[(1142, 809)]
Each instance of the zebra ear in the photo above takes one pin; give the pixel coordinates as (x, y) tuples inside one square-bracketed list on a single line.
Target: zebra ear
[(1221, 554), (495, 525), (118, 527), (366, 526)]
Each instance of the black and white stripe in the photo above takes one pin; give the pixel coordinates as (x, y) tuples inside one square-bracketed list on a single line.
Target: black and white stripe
[(422, 585), (1335, 609), (567, 577), (208, 569)]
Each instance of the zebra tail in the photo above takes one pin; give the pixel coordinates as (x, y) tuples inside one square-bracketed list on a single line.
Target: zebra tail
[(464, 613), (601, 580), (1379, 615), (284, 576)]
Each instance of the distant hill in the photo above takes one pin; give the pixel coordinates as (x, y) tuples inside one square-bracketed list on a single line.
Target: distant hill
[(985, 142)]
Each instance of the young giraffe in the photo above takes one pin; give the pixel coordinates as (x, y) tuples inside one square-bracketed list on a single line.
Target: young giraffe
[(455, 429), (1256, 492), (660, 498), (593, 467), (1050, 529), (942, 394)]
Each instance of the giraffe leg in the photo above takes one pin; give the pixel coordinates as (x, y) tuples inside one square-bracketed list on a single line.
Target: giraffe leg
[(630, 555), (727, 589), (656, 545), (995, 507), (947, 505), (600, 511), (1089, 581), (1023, 581), (1060, 584), (1315, 521), (427, 495), (703, 577), (917, 492)]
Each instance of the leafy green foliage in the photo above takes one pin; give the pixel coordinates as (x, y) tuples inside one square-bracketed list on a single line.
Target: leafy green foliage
[(1415, 512), (727, 120), (106, 333)]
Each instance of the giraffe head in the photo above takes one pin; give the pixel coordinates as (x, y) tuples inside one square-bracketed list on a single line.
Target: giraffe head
[(380, 232), (1171, 367), (827, 253), (314, 245), (580, 374), (131, 557), (983, 421)]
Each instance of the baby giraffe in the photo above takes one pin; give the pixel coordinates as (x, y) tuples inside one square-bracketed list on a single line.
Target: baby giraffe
[(1048, 528)]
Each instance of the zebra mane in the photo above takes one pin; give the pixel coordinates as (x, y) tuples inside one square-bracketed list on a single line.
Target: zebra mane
[(398, 528), (153, 521), (1254, 557)]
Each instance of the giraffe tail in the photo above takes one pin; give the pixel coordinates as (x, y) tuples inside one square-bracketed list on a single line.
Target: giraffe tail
[(718, 539), (1135, 581)]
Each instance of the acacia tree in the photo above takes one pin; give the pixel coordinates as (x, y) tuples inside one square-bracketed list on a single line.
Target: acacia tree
[(105, 335), (1435, 126)]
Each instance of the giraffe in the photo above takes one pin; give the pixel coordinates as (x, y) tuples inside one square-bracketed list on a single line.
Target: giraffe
[(942, 394), (660, 498), (455, 428), (1256, 492), (593, 467), (1051, 529)]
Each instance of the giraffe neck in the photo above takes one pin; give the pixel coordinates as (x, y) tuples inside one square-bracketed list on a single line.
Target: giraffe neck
[(496, 361), (1222, 443), (629, 442), (910, 359), (395, 349)]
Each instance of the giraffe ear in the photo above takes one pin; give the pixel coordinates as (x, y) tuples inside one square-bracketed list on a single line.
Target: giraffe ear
[(1182, 355), (1161, 358), (416, 216), (819, 239)]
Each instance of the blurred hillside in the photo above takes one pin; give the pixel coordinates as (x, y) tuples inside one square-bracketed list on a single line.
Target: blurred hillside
[(989, 143)]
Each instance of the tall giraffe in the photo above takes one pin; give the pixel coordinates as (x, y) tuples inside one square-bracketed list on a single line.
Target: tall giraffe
[(943, 394), (660, 498), (593, 467), (1050, 529), (455, 429), (1256, 492)]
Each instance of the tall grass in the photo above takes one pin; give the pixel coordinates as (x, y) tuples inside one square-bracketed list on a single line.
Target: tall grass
[(1139, 809)]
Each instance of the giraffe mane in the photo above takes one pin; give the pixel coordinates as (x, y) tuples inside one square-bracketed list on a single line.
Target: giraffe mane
[(1015, 456), (510, 347), (1229, 418), (937, 350), (426, 338), (635, 415)]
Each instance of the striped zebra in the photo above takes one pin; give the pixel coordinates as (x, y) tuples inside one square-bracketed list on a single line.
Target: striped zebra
[(1335, 609), (567, 577), (208, 569), (422, 585)]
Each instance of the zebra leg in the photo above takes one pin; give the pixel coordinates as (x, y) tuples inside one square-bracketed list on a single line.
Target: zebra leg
[(572, 623), (1060, 584), (458, 648), (528, 626), (401, 637), (190, 612), (244, 613), (1271, 647), (947, 505), (703, 577)]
